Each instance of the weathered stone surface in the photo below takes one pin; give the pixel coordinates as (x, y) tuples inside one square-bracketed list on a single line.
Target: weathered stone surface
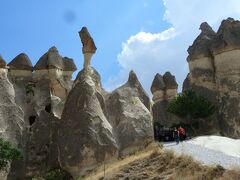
[(88, 48), (50, 60), (162, 95), (129, 114), (2, 62), (11, 115), (228, 37), (68, 64), (21, 62), (85, 136), (41, 147), (161, 116), (158, 83), (186, 84), (170, 81), (201, 46), (217, 76), (87, 41)]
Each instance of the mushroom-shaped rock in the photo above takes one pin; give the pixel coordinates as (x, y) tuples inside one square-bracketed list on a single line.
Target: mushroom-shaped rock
[(201, 46), (68, 64), (50, 60), (170, 81), (2, 62), (88, 48), (21, 62), (158, 83), (228, 36), (87, 41)]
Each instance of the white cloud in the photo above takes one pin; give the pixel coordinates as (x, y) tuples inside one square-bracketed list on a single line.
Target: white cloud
[(148, 53)]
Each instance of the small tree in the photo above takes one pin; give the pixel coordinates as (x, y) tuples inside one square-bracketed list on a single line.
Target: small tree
[(8, 153), (190, 104)]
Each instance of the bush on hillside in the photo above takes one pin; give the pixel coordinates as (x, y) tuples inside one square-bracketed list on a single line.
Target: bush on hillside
[(191, 104), (8, 153)]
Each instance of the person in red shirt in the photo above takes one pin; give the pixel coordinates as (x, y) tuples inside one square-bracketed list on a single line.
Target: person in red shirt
[(182, 133)]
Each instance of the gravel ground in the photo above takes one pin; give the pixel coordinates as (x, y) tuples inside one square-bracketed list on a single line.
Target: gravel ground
[(204, 155)]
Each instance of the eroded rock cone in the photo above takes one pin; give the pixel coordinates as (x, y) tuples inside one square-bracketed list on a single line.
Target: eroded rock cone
[(2, 62), (21, 62), (129, 115), (158, 83), (164, 89), (85, 136)]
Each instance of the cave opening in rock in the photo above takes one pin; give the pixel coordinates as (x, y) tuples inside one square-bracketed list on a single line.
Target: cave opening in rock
[(32, 120), (48, 108)]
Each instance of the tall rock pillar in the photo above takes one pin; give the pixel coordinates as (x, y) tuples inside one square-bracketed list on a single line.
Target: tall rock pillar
[(88, 48)]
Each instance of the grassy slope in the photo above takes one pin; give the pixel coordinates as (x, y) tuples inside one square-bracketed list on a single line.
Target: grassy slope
[(154, 163)]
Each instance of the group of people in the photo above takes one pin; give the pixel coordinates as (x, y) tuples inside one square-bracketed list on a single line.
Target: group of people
[(179, 134)]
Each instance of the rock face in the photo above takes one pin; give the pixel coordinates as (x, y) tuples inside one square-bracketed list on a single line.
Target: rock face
[(164, 89), (2, 62), (215, 73), (85, 136), (129, 113), (40, 92), (72, 126), (88, 48), (11, 115)]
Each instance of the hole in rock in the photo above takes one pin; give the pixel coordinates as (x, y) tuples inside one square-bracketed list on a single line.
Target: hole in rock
[(48, 108), (32, 120)]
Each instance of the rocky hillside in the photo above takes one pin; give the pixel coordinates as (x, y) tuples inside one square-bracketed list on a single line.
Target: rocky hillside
[(73, 126), (154, 163), (76, 125), (215, 74)]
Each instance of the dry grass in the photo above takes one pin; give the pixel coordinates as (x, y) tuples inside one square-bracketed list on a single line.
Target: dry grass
[(116, 166), (154, 164)]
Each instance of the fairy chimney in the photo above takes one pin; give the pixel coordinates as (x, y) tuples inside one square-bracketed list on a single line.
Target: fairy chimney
[(20, 66), (88, 48)]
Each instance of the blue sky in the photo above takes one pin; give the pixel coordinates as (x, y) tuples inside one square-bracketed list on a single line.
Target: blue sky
[(34, 26), (148, 36)]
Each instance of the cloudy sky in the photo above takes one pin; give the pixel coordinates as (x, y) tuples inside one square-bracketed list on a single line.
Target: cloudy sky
[(148, 36)]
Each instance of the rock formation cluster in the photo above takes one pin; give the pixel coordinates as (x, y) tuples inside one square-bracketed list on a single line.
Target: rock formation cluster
[(215, 72), (77, 125), (164, 89), (70, 125)]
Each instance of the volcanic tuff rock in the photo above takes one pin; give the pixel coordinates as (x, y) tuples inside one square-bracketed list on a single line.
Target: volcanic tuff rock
[(164, 89), (21, 62), (88, 48), (129, 113), (11, 116), (2, 62), (41, 95), (216, 75), (85, 136)]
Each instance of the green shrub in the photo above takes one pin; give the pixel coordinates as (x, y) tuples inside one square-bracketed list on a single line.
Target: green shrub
[(30, 88), (191, 104), (8, 153), (57, 174)]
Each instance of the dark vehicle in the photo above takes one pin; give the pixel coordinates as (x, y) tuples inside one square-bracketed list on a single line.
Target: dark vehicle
[(165, 134)]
